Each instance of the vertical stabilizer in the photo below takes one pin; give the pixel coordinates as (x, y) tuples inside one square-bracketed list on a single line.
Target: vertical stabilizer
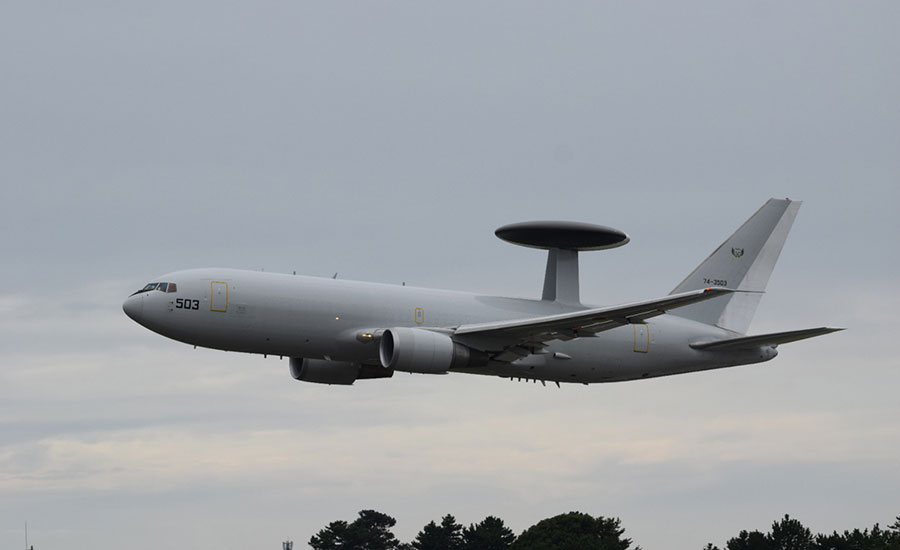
[(743, 262)]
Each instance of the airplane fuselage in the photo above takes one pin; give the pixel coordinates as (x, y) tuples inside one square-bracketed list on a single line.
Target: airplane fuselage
[(339, 320)]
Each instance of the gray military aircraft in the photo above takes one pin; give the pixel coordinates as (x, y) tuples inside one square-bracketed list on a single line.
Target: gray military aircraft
[(336, 331)]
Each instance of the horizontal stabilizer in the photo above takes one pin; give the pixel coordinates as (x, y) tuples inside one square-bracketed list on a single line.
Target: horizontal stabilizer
[(772, 339)]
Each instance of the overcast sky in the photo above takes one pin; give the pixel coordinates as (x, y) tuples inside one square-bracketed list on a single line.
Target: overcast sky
[(386, 141)]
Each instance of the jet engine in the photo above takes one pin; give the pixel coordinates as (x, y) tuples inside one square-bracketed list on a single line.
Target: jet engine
[(418, 350), (321, 371)]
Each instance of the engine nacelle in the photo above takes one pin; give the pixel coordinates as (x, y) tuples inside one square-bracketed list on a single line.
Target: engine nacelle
[(321, 371), (418, 350)]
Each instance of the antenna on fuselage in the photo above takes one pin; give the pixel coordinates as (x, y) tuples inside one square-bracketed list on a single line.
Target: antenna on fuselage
[(562, 241)]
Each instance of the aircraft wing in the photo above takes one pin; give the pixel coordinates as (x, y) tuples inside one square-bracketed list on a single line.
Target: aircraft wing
[(773, 339), (514, 339)]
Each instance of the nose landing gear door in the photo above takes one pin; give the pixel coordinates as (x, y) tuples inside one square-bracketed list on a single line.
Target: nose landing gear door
[(218, 296)]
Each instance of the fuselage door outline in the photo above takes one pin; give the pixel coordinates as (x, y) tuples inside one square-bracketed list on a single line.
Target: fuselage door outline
[(641, 338), (218, 291)]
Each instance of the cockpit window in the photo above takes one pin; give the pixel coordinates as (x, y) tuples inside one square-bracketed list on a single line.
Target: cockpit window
[(162, 287)]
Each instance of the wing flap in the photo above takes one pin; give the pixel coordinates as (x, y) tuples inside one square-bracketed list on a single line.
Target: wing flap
[(771, 339)]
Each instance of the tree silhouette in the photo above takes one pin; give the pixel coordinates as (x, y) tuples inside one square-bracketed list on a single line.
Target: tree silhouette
[(876, 539), (790, 534), (573, 531), (370, 531), (446, 536), (753, 540), (489, 534)]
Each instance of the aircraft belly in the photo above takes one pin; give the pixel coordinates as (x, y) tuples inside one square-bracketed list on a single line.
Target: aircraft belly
[(613, 356)]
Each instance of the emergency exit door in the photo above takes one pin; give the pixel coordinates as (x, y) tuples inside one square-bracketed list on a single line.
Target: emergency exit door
[(218, 296)]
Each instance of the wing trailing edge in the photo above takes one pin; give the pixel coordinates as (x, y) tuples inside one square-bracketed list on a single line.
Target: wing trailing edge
[(586, 319), (771, 339), (517, 338)]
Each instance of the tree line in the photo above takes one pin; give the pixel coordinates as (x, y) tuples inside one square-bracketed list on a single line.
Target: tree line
[(577, 531), (789, 534)]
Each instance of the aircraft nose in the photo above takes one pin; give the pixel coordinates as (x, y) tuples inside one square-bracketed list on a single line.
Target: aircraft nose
[(133, 307)]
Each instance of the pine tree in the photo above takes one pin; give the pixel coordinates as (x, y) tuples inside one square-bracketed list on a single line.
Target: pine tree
[(446, 536), (370, 531), (489, 534)]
